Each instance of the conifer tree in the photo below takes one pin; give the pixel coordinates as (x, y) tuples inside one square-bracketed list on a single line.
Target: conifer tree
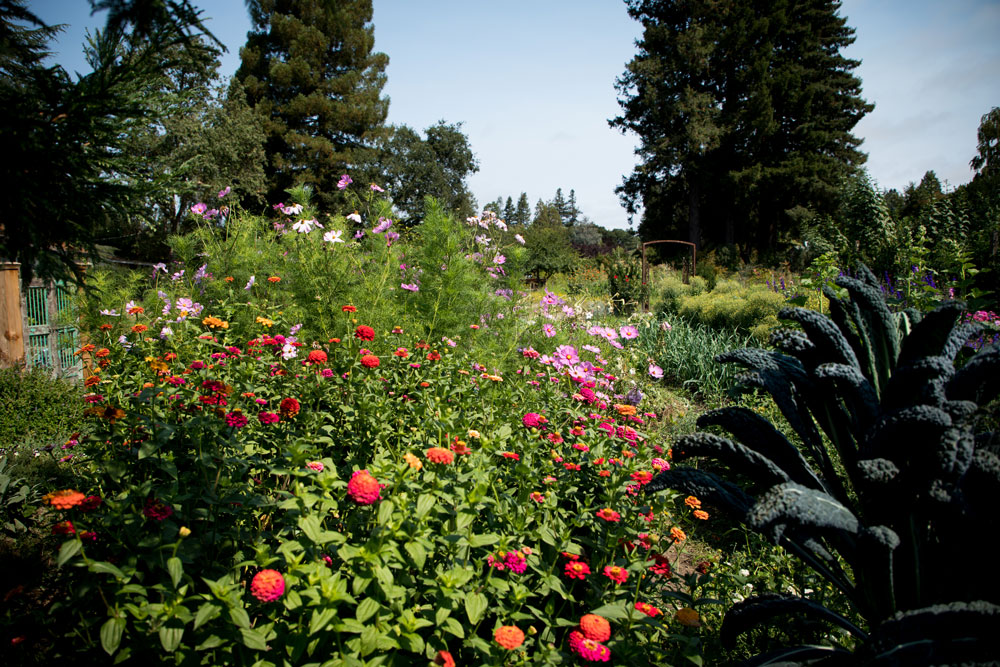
[(308, 66), (523, 214), (744, 109), (508, 211)]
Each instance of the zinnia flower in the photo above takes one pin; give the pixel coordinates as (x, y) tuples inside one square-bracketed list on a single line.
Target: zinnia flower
[(65, 499), (595, 627), (348, 309), (701, 514), (648, 609), (509, 636), (577, 569), (516, 562), (274, 279), (608, 514), (433, 356), (662, 565), (316, 465), (63, 528), (268, 585), (616, 573), (511, 455), (236, 419), (156, 510), (588, 649), (370, 361), (289, 408), (413, 461), (364, 333), (364, 488), (442, 658), (316, 357), (439, 455), (268, 418), (677, 534)]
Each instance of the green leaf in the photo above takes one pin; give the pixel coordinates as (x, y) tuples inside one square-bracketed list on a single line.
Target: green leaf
[(240, 617), (424, 504), (311, 527), (206, 612), (385, 509), (253, 639), (411, 642), (105, 568), (213, 641), (417, 554), (366, 609), (68, 549), (475, 606), (176, 570), (483, 540), (171, 635), (320, 619), (612, 611), (369, 640), (111, 634), (454, 627)]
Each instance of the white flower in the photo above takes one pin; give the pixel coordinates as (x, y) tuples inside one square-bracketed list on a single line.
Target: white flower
[(333, 236), (355, 217), (304, 226), (744, 573), (519, 238), (295, 209), (288, 351), (501, 225)]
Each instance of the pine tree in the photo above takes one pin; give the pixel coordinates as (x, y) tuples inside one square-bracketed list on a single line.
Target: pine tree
[(744, 109), (508, 211), (574, 212), (523, 214), (308, 66)]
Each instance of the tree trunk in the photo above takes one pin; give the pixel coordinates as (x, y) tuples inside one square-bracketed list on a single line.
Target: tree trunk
[(694, 215)]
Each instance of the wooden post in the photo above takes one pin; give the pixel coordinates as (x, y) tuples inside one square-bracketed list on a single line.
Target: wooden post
[(11, 320)]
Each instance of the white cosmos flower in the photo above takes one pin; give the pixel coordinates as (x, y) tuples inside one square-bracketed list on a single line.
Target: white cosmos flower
[(333, 236)]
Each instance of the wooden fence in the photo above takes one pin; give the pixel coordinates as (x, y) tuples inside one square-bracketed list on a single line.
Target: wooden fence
[(36, 325)]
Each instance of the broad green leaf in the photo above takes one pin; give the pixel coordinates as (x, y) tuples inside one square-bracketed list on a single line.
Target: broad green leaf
[(213, 641), (614, 611), (417, 554), (171, 635), (240, 617), (475, 606), (111, 634), (311, 527), (483, 540), (424, 504), (206, 612), (253, 639), (385, 509), (454, 627), (366, 609), (320, 619), (105, 568), (411, 642), (369, 640), (176, 570), (68, 549)]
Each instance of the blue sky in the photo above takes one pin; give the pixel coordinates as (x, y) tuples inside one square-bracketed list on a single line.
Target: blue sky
[(533, 83)]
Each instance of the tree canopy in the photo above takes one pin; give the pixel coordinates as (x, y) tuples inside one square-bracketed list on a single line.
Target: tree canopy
[(744, 110), (309, 67)]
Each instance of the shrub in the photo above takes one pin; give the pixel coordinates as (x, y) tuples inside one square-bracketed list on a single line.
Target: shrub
[(890, 481), (37, 409)]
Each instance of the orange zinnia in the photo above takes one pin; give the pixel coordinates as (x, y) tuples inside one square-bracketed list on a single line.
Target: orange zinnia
[(677, 534), (65, 499), (439, 455), (509, 636)]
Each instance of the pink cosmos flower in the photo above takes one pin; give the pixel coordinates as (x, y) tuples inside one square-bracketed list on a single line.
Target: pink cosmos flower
[(548, 330), (344, 181), (655, 371)]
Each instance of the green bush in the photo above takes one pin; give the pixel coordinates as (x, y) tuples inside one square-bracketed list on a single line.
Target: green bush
[(748, 309), (36, 408)]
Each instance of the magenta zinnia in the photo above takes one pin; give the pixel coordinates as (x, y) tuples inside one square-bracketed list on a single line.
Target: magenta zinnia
[(588, 649), (268, 585)]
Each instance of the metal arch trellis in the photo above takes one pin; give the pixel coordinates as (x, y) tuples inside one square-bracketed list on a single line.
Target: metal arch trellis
[(645, 266)]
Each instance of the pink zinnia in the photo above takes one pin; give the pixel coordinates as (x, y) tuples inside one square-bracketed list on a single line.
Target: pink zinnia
[(588, 649), (236, 419), (516, 561), (532, 420), (268, 585), (364, 488), (315, 465), (268, 418)]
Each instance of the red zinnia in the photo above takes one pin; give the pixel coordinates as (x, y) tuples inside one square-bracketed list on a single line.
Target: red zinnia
[(577, 569), (609, 514), (616, 573), (156, 510), (433, 356), (289, 408), (364, 333), (648, 609), (662, 565), (268, 585), (643, 477), (439, 455), (236, 419), (268, 418), (348, 309), (511, 455), (63, 528), (370, 361), (363, 488), (444, 659), (316, 357)]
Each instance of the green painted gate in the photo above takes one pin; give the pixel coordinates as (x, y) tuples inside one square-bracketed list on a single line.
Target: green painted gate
[(50, 337)]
